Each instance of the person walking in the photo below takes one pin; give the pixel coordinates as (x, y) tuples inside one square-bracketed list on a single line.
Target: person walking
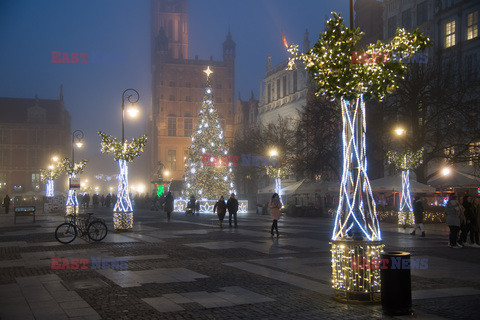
[(466, 226), (108, 200), (418, 211), (6, 203), (454, 214), (221, 208), (169, 204), (232, 206), (275, 205)]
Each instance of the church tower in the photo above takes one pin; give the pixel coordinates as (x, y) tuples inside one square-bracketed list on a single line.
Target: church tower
[(169, 27), (177, 87)]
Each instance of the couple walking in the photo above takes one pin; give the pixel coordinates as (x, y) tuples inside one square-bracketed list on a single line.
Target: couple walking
[(221, 209)]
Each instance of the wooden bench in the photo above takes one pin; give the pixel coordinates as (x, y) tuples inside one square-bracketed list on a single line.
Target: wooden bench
[(24, 211)]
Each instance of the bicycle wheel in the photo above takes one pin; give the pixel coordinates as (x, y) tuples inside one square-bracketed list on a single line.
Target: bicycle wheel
[(66, 233), (97, 230)]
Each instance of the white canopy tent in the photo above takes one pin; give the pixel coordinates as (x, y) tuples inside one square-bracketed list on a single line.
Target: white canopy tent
[(394, 184)]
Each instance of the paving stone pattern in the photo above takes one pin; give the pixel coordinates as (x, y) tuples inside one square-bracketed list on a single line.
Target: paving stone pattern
[(190, 268)]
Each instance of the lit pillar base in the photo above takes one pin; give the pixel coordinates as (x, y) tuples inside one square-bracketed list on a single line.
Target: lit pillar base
[(69, 209), (406, 219), (356, 271), (123, 221)]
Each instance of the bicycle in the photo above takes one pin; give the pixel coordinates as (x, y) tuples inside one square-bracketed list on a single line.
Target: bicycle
[(94, 228)]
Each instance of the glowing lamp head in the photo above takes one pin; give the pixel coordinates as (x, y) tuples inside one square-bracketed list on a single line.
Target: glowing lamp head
[(50, 167), (400, 131), (132, 111), (54, 158), (446, 171), (273, 153), (79, 144), (166, 173)]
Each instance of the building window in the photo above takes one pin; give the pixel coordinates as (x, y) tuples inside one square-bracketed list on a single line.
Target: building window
[(171, 84), (33, 158), (171, 98), (472, 25), (185, 155), (471, 66), (219, 86), (188, 98), (3, 158), (172, 127), (188, 84), (295, 81), (449, 153), (392, 26), (407, 19), (284, 83), (3, 180), (35, 181), (269, 93), (172, 160), (450, 34), (188, 127), (474, 150), (278, 89), (422, 12)]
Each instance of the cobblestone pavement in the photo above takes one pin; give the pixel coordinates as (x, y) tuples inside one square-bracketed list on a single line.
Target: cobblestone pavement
[(190, 268)]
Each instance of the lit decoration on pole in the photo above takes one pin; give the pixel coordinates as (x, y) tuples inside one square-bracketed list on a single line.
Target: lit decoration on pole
[(72, 169), (124, 152), (278, 173), (48, 176), (356, 233), (405, 161), (208, 182)]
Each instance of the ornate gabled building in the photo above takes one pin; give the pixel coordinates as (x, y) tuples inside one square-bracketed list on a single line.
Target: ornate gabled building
[(31, 132), (246, 114), (283, 92), (178, 85)]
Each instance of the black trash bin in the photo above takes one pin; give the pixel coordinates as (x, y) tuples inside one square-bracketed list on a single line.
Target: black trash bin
[(396, 283)]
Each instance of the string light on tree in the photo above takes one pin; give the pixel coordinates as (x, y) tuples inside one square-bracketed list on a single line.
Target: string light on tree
[(48, 176), (72, 169), (207, 181), (330, 63)]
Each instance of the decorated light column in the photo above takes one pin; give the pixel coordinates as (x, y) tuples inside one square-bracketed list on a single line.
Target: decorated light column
[(277, 172), (124, 152), (348, 75), (405, 161), (49, 175), (72, 169)]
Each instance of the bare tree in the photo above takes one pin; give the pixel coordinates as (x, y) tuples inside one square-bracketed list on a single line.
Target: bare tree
[(440, 109)]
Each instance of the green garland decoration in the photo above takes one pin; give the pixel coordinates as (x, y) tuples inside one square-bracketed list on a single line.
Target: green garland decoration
[(339, 76), (127, 151), (407, 160), (50, 174), (69, 168), (281, 172)]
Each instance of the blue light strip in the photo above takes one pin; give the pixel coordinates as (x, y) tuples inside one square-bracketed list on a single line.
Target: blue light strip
[(123, 212), (406, 199), (356, 203), (50, 192)]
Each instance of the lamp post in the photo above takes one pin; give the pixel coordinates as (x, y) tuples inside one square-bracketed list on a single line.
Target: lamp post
[(77, 140), (123, 211), (276, 175), (405, 213)]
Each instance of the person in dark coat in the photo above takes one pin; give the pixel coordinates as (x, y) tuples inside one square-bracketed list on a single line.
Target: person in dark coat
[(232, 206), (221, 208), (108, 200), (469, 218), (169, 204), (6, 203), (418, 210)]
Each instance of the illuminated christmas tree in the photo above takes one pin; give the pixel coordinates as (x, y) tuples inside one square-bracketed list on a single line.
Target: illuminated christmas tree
[(208, 173)]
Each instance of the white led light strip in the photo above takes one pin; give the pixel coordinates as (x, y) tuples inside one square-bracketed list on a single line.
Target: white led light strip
[(356, 204)]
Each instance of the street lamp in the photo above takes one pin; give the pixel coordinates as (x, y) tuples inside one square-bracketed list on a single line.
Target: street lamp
[(276, 173), (77, 140)]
